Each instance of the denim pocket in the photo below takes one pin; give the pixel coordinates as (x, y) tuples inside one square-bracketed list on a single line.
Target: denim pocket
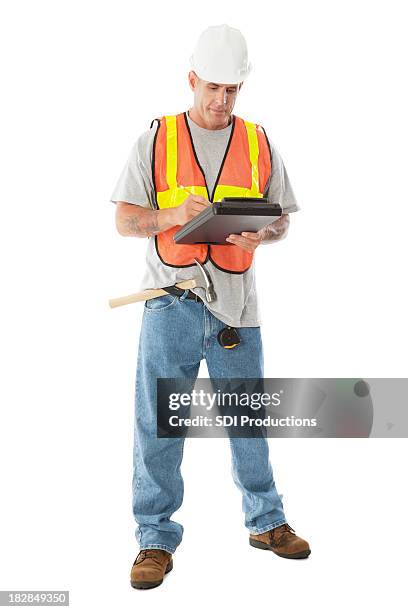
[(163, 302)]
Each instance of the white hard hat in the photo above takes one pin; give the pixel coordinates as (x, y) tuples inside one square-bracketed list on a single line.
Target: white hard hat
[(221, 55)]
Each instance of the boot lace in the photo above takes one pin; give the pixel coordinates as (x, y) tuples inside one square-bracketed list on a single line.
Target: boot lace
[(146, 554), (279, 533)]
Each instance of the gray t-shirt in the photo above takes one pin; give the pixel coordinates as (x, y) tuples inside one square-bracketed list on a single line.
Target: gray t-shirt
[(236, 302)]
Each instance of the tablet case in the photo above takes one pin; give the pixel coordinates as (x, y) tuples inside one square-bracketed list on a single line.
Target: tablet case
[(230, 216)]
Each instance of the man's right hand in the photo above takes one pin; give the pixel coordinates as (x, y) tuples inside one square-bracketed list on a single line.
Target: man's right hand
[(186, 211), (141, 221)]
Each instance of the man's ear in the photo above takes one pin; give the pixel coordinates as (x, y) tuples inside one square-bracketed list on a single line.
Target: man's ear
[(192, 80)]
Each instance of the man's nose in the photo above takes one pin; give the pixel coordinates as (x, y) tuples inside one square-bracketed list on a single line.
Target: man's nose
[(221, 98)]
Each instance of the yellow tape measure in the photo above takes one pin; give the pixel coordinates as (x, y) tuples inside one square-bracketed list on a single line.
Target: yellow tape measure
[(228, 337)]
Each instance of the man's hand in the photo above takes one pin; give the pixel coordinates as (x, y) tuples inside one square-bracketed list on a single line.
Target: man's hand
[(247, 240), (271, 233), (186, 211), (134, 220)]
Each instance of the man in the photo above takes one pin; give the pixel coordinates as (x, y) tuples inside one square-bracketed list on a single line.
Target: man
[(177, 168)]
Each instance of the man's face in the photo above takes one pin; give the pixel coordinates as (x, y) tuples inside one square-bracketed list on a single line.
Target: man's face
[(213, 102)]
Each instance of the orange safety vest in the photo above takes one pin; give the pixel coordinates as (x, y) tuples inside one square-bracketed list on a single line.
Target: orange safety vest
[(244, 172)]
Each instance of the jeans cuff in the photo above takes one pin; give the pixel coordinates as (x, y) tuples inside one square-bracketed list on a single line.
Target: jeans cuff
[(159, 546), (259, 530)]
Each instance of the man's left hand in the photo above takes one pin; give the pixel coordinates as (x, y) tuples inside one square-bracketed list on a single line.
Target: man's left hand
[(270, 233), (247, 240)]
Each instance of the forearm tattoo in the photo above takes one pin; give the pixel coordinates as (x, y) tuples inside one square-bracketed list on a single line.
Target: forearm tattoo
[(144, 223), (275, 231)]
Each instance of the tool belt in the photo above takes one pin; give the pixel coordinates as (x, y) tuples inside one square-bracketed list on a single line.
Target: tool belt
[(177, 291)]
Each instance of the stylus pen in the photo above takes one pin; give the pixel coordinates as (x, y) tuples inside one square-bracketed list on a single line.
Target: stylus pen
[(185, 189), (188, 191)]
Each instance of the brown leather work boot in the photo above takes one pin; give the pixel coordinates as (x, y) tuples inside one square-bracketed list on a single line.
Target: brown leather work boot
[(149, 568), (282, 541)]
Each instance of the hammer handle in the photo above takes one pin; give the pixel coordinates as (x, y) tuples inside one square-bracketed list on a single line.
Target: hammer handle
[(148, 294)]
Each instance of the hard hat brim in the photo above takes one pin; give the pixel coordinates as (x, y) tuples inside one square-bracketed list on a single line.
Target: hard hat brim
[(219, 76)]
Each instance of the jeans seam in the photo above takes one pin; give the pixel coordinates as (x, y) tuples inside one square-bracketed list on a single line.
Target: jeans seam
[(179, 466), (204, 335), (207, 331)]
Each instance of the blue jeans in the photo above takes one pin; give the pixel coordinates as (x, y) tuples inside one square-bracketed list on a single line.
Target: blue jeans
[(176, 334)]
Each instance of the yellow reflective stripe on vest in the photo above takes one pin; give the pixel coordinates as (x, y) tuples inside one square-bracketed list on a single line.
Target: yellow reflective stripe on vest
[(232, 191), (175, 197), (253, 155), (171, 157)]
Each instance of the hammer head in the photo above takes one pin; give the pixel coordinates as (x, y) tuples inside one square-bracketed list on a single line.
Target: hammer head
[(203, 279)]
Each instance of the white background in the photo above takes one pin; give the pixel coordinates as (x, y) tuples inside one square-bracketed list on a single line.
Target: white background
[(80, 81)]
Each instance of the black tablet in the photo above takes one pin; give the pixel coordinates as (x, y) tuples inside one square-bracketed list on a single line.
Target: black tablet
[(230, 216)]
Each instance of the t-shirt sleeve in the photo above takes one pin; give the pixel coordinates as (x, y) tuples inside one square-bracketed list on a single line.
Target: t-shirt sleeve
[(135, 184), (278, 188)]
